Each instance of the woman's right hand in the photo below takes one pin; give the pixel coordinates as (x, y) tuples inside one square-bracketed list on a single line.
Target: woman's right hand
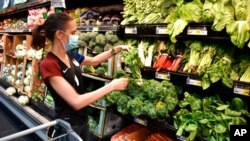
[(119, 84)]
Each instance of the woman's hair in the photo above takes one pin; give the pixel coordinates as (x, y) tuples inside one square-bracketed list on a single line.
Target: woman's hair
[(56, 21)]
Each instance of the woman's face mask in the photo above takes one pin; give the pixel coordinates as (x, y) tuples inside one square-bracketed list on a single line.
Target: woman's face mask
[(73, 42)]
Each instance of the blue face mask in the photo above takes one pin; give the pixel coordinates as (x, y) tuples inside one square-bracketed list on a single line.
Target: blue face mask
[(73, 42)]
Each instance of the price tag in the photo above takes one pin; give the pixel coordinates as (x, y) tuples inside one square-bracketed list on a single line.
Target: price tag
[(197, 31), (141, 121), (96, 29), (164, 76), (241, 91), (130, 30), (240, 88), (161, 30), (193, 82)]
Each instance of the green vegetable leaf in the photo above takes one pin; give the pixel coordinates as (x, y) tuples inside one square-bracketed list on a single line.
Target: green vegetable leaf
[(219, 128), (176, 28), (222, 107)]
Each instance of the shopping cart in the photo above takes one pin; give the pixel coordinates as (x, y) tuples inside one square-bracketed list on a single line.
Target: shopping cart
[(57, 130)]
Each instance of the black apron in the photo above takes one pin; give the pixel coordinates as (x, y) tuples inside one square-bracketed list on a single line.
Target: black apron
[(77, 119)]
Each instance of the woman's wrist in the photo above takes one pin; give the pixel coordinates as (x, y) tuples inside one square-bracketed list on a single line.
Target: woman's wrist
[(116, 50)]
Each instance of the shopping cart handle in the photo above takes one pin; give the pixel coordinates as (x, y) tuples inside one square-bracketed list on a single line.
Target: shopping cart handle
[(62, 123)]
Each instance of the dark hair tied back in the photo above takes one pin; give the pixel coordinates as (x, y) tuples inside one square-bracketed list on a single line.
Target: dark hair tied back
[(56, 21), (38, 40)]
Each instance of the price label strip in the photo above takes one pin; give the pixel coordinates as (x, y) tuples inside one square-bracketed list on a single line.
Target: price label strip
[(241, 91), (130, 30), (164, 76), (96, 29), (141, 121), (197, 31), (193, 82), (161, 30)]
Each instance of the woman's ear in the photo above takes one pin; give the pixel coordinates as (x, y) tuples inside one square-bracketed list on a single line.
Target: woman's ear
[(58, 35)]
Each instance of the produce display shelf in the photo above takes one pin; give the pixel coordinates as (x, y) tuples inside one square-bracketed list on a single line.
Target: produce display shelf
[(98, 107), (192, 31), (22, 7), (101, 28), (96, 77)]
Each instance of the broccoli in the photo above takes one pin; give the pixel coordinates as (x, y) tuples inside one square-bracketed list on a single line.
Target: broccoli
[(97, 49), (135, 105), (92, 35), (82, 44), (120, 42), (92, 123), (88, 69), (161, 109), (122, 104), (92, 43), (105, 65), (111, 38), (100, 71), (100, 40), (120, 73), (84, 37), (107, 47), (113, 97), (149, 109)]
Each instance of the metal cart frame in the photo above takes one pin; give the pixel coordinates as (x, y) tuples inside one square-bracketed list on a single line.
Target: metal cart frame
[(58, 130)]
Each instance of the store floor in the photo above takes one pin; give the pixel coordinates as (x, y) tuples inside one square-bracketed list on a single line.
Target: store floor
[(9, 124)]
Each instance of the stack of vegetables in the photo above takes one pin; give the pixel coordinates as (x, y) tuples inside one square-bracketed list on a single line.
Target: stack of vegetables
[(38, 91), (75, 14), (93, 123), (20, 52), (209, 117), (19, 76), (15, 25), (96, 16), (101, 70), (11, 76), (28, 79), (146, 11), (6, 72), (241, 68), (35, 54), (231, 15), (142, 97), (220, 13), (169, 57), (98, 42), (148, 98), (214, 62)]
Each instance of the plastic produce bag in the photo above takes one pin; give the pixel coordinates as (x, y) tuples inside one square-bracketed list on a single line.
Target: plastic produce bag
[(6, 3)]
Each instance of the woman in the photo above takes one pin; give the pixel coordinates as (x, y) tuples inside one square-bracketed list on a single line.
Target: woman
[(61, 72)]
